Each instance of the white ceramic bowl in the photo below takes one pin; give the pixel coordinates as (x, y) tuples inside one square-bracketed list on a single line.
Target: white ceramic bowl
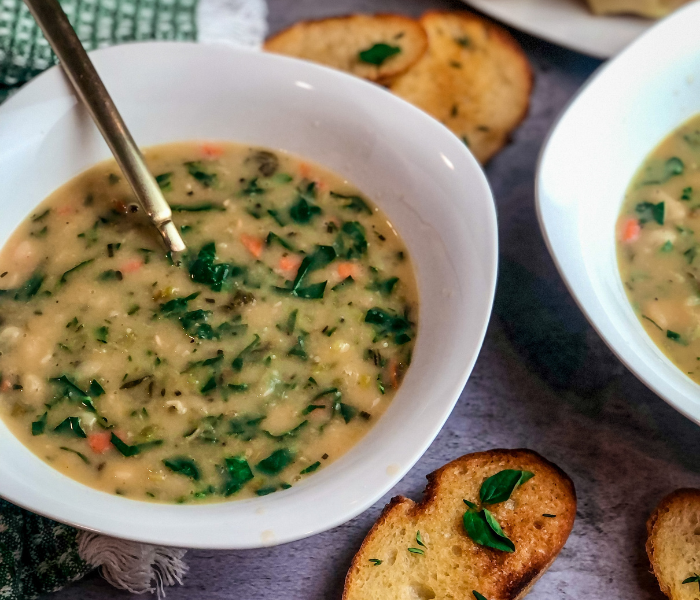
[(591, 155), (416, 170)]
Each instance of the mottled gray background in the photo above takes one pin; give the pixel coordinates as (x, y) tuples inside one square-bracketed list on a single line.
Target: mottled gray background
[(544, 380)]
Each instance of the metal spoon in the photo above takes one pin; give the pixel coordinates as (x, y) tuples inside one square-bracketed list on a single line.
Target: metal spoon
[(90, 89)]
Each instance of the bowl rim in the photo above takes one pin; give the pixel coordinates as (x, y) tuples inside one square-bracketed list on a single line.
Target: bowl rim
[(88, 522), (607, 331)]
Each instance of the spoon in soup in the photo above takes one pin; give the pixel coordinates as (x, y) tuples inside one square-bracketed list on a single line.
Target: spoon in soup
[(92, 92)]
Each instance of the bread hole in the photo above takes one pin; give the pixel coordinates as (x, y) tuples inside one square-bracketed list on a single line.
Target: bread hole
[(403, 531), (392, 557), (421, 591), (538, 524), (457, 550)]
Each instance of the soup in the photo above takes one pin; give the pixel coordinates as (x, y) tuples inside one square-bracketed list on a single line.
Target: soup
[(658, 236), (257, 359)]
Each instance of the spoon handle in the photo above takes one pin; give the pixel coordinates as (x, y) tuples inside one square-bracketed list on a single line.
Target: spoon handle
[(87, 83)]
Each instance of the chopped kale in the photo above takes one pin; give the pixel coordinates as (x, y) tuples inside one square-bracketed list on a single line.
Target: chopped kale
[(70, 426), (354, 203), (237, 473), (196, 170), (276, 462), (184, 466), (389, 324)]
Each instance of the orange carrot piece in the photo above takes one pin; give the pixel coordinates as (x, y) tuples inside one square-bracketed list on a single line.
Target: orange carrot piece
[(305, 170), (211, 150), (131, 266), (5, 386), (348, 269), (99, 442), (289, 265), (393, 368), (252, 244), (631, 230)]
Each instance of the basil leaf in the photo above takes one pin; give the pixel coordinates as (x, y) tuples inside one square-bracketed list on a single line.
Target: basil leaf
[(70, 426), (39, 426), (237, 473), (500, 486), (695, 578), (276, 462), (377, 54), (184, 466), (479, 528), (127, 450)]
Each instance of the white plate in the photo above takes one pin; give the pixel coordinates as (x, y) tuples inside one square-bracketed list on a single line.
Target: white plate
[(568, 23), (593, 152), (420, 174)]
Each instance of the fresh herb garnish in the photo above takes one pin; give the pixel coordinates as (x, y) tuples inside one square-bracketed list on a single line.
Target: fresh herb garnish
[(481, 526), (378, 53), (695, 578), (184, 466), (375, 561), (549, 516), (500, 486), (478, 596)]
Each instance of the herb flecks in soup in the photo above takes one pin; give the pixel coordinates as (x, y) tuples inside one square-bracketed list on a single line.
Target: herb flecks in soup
[(658, 235), (268, 352)]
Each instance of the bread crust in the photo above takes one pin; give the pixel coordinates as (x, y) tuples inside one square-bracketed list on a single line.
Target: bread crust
[(675, 501), (288, 42), (513, 584), (491, 92)]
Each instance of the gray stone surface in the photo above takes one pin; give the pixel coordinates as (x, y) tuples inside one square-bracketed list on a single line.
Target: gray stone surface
[(544, 380)]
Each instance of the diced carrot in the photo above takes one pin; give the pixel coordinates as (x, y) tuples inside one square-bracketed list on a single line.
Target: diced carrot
[(393, 369), (252, 244), (289, 265), (631, 230), (211, 150), (321, 185), (131, 266), (348, 269), (120, 206), (5, 386), (305, 170), (99, 442)]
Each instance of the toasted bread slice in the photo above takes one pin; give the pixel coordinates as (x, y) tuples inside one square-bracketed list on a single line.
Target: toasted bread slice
[(673, 543), (342, 42), (474, 78), (453, 565)]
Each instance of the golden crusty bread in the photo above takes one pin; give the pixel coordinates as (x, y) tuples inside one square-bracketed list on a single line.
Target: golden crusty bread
[(673, 543), (453, 565), (474, 78), (337, 42)]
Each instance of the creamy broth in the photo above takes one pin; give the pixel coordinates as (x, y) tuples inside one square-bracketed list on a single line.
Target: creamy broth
[(658, 235), (269, 351)]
